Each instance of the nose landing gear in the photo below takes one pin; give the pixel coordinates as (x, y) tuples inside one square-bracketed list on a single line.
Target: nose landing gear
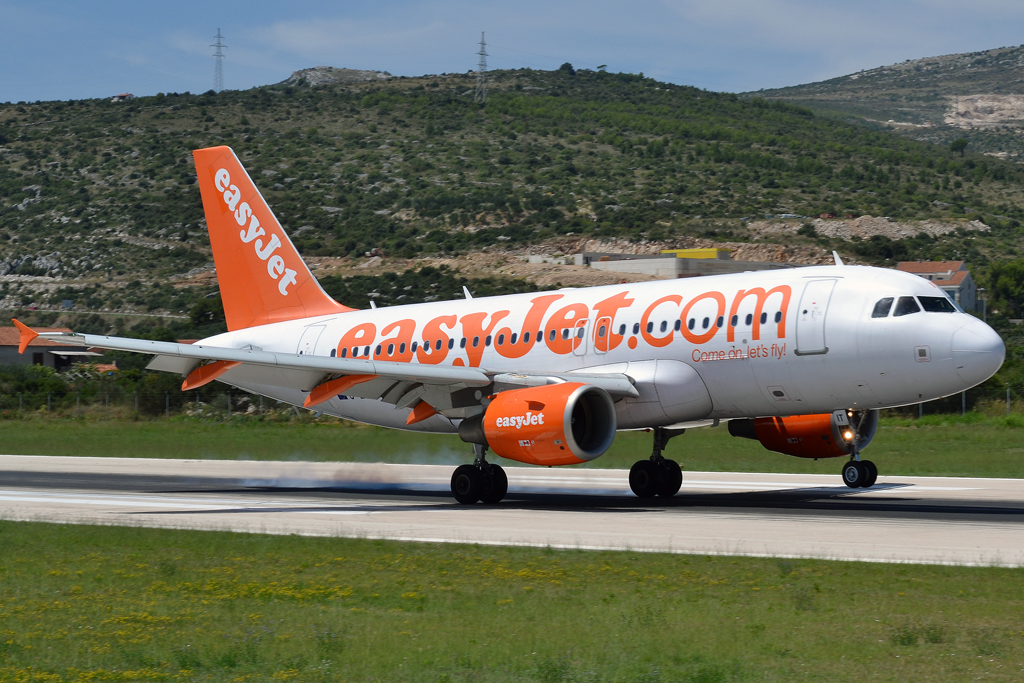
[(860, 474), (482, 481), (657, 476)]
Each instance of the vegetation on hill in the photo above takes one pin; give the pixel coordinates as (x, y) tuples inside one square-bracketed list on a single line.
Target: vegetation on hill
[(915, 97), (414, 166), (98, 201)]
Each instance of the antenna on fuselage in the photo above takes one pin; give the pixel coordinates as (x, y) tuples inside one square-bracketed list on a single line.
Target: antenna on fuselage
[(465, 290), (839, 261)]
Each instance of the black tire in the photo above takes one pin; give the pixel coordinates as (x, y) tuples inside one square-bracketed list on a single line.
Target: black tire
[(854, 474), (872, 473), (644, 479), (671, 478), (495, 485), (467, 481)]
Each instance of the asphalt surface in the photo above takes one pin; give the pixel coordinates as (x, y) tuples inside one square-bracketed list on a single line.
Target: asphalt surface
[(935, 520)]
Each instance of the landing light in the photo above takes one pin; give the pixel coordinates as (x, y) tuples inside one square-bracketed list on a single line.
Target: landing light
[(847, 435)]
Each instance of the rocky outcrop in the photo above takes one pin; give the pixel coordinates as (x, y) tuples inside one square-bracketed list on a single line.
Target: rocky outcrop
[(986, 111), (327, 75), (866, 227)]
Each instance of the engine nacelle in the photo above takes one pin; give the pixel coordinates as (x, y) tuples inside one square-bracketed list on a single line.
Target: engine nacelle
[(556, 424), (829, 435)]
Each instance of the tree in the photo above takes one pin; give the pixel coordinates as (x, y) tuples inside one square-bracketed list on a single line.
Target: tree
[(958, 145), (568, 68), (1006, 286)]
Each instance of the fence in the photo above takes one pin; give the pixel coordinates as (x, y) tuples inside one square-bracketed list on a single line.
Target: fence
[(228, 403), (118, 404)]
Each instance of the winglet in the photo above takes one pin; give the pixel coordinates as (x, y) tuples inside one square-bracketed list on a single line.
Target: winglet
[(27, 334), (465, 290), (839, 261)]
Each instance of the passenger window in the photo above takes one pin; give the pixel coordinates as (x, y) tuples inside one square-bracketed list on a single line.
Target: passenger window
[(636, 328), (905, 306), (882, 308), (600, 331), (936, 304), (750, 318), (622, 329), (778, 316)]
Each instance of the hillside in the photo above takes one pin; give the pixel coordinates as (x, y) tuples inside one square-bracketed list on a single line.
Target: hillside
[(98, 202), (977, 95)]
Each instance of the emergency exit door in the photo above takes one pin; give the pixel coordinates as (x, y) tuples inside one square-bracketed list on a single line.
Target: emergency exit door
[(810, 319)]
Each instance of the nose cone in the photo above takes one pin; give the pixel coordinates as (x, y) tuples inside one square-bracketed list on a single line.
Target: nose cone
[(978, 352)]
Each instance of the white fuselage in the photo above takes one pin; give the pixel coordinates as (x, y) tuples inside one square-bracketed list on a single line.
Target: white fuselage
[(765, 343)]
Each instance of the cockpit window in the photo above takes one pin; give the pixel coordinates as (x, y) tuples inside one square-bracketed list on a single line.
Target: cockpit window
[(936, 304), (905, 306), (882, 308)]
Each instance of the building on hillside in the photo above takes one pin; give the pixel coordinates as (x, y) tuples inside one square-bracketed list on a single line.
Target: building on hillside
[(40, 351), (674, 263), (952, 277), (123, 97)]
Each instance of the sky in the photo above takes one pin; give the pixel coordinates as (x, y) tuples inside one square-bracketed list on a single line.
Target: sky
[(60, 50)]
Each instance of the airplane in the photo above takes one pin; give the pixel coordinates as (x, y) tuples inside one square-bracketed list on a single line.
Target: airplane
[(798, 359)]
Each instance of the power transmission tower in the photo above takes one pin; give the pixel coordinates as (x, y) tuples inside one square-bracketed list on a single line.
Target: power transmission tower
[(218, 69), (481, 73)]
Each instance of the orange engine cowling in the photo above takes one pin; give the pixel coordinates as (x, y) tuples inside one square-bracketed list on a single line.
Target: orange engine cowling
[(556, 424), (828, 435)]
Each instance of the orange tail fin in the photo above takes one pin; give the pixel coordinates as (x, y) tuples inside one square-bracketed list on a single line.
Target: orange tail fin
[(262, 277)]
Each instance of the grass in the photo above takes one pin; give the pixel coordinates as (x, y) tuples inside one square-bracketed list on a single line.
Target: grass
[(104, 603), (971, 445)]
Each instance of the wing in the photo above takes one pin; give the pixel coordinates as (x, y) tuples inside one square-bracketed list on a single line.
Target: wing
[(456, 392)]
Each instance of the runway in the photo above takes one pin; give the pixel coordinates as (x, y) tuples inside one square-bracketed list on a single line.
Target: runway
[(933, 520)]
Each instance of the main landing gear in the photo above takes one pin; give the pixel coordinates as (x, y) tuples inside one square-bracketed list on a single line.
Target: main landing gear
[(482, 481), (657, 476), (859, 473)]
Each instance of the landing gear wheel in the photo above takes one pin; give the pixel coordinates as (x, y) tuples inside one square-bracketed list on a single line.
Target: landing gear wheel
[(495, 485), (644, 479), (871, 472), (467, 483), (671, 478), (854, 474)]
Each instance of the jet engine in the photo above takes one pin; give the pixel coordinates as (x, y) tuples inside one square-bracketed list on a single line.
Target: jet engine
[(555, 424), (828, 435)]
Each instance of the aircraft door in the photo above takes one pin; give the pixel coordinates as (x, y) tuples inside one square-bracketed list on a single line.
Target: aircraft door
[(810, 320), (579, 340), (307, 343), (603, 335)]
